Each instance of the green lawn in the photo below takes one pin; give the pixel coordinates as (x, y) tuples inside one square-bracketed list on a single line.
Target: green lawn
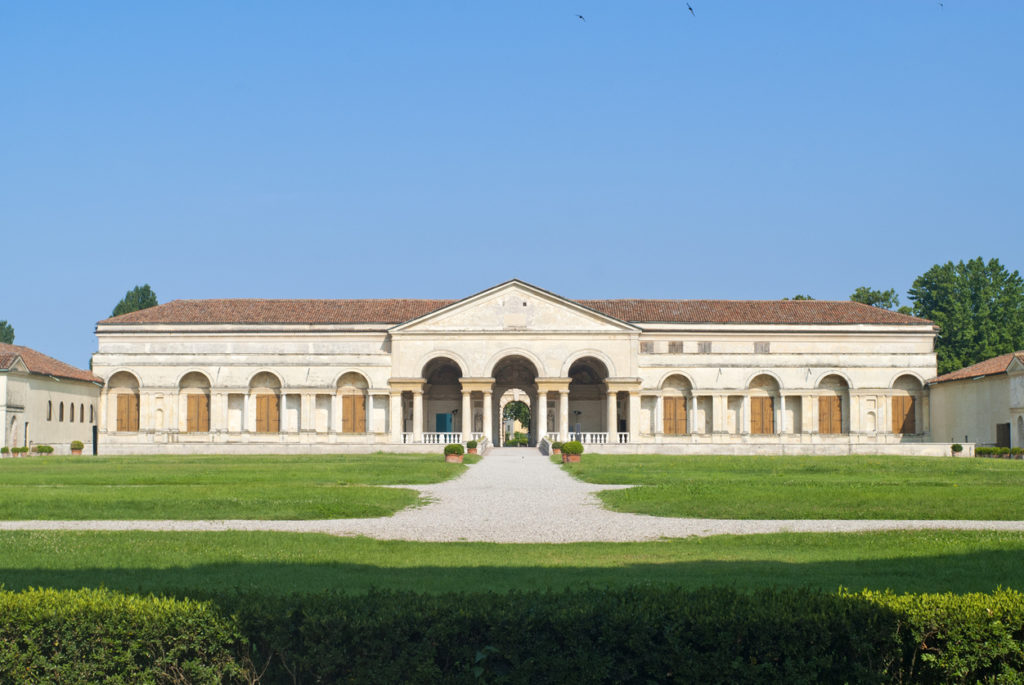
[(214, 487), (857, 487), (194, 563)]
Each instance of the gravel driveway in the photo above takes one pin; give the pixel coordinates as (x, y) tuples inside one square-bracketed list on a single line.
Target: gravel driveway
[(518, 495)]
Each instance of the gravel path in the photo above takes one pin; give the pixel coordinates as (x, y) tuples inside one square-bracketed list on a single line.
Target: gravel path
[(518, 495)]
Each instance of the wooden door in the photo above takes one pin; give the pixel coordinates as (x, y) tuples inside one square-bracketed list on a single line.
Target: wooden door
[(675, 416), (353, 413), (762, 415), (268, 414), (903, 410), (830, 414), (198, 417), (128, 413)]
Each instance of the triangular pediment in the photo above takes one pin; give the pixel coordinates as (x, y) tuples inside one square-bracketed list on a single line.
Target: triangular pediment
[(515, 306), (1016, 366), (18, 364)]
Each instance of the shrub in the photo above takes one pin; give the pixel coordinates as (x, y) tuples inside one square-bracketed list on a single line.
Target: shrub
[(984, 451), (471, 444), (572, 447), (90, 636), (556, 445), (1017, 451), (5, 450), (454, 448), (77, 444), (957, 448), (44, 449)]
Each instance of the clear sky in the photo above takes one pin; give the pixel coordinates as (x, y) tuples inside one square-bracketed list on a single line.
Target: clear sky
[(750, 150)]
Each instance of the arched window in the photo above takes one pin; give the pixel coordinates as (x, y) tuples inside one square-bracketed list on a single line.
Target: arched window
[(125, 387), (81, 413), (49, 410), (71, 412), (61, 412), (92, 413)]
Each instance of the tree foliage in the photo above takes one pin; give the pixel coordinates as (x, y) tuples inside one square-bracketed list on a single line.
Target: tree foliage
[(6, 333), (884, 299), (519, 411), (978, 307), (799, 297), (140, 297)]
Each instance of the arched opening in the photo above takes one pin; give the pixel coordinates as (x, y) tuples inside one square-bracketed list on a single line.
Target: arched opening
[(833, 405), (125, 389), (265, 391), (676, 396), (904, 404), (515, 380), (194, 403), (764, 394), (442, 397), (1020, 432), (352, 393), (592, 407)]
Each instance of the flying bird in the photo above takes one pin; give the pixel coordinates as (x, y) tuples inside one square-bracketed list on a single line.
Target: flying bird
[(580, 17), (691, 9)]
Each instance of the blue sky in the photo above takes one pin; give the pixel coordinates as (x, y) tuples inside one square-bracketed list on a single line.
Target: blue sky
[(409, 149)]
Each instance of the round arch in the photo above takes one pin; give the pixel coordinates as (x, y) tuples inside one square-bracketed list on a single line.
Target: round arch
[(833, 372), (764, 372), (355, 380), (499, 357), (582, 354), (515, 380), (455, 359), (349, 372), (194, 378), (681, 374), (266, 379), (907, 374), (123, 379)]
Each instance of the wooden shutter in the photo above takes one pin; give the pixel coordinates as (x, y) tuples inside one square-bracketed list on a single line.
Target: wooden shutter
[(261, 413), (669, 422), (903, 410), (192, 413), (360, 413), (204, 413), (122, 413), (133, 413), (198, 414), (830, 414), (762, 415), (273, 414), (675, 415), (348, 413)]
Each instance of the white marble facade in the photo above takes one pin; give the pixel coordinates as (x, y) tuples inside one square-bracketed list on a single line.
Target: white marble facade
[(681, 386)]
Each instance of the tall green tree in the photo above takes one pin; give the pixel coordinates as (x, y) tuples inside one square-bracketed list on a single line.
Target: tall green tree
[(519, 411), (978, 306), (6, 333), (885, 299), (139, 297), (799, 297)]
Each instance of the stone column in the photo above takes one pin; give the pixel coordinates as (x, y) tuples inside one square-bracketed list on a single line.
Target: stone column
[(246, 421), (563, 415), (634, 415), (542, 414), (102, 418), (334, 425), (417, 416), (488, 415), (467, 415), (282, 414), (395, 417), (611, 416), (691, 414), (307, 421), (659, 412), (745, 416), (925, 425)]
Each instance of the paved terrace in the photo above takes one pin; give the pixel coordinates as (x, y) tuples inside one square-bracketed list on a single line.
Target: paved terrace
[(518, 495)]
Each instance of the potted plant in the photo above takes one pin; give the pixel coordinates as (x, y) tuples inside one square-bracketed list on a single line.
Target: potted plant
[(5, 450), (76, 446), (471, 447), (957, 449), (453, 453), (44, 449), (572, 451), (556, 448)]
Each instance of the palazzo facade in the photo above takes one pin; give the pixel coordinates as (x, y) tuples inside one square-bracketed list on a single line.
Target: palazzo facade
[(671, 376)]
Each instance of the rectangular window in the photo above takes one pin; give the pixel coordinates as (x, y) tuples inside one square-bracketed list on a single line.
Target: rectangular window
[(198, 417), (646, 348), (675, 347), (704, 348), (762, 348)]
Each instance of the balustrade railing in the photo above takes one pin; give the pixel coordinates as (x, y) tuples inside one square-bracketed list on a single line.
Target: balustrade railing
[(623, 438), (591, 438), (441, 438)]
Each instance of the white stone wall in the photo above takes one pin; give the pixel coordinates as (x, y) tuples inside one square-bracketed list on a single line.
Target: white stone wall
[(35, 400), (968, 410)]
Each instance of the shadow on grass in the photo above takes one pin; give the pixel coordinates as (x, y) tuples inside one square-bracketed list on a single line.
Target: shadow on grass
[(972, 572)]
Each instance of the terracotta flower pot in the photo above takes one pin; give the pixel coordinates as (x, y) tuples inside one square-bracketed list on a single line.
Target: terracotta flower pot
[(574, 458), (453, 458), (76, 451), (557, 450), (471, 450)]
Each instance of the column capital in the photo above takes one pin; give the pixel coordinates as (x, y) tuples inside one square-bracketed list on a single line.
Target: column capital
[(553, 384), (476, 384), (631, 385), (406, 384)]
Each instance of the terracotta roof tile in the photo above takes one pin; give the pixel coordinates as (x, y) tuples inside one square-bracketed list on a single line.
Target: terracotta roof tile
[(37, 362), (989, 367), (256, 311)]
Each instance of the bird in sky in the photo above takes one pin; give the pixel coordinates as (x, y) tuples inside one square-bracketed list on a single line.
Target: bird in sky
[(691, 9), (580, 17)]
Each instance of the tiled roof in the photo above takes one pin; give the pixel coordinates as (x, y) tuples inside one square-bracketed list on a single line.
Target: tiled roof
[(989, 367), (749, 311), (245, 311), (37, 362)]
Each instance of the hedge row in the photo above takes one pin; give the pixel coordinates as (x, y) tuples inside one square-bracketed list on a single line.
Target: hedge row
[(1004, 452), (636, 635)]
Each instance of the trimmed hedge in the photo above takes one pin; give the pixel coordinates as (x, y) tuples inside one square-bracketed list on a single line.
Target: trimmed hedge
[(87, 636), (1000, 452), (635, 635)]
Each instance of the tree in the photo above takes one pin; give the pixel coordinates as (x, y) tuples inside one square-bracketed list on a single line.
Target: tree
[(6, 333), (519, 411), (799, 297), (140, 297), (978, 307), (884, 299)]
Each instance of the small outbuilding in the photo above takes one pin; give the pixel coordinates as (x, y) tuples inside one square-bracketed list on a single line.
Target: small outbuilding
[(44, 401), (982, 403)]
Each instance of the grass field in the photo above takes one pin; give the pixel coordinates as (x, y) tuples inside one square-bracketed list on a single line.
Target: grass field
[(280, 563), (214, 487), (857, 487)]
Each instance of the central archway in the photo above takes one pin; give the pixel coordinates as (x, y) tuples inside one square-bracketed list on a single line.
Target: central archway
[(515, 379)]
